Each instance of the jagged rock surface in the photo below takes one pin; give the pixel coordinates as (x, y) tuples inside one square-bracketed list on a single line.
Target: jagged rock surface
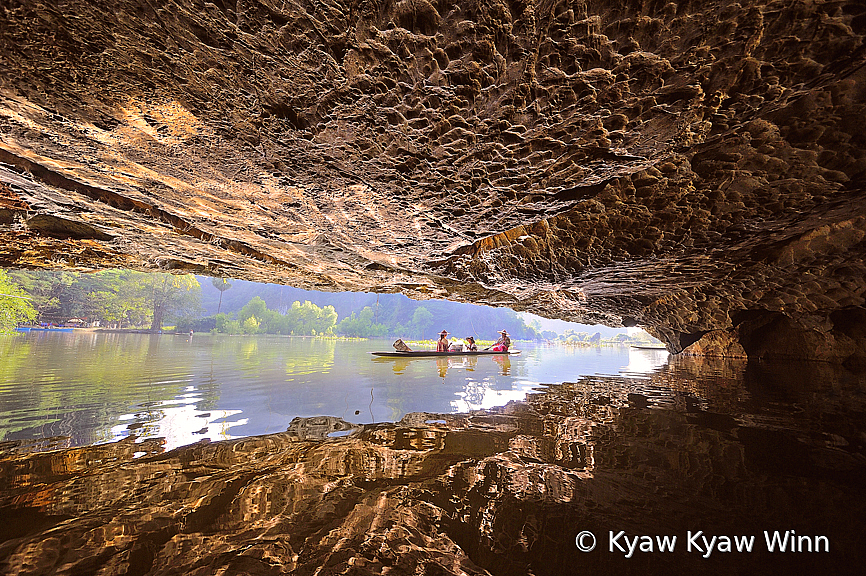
[(500, 492), (687, 166)]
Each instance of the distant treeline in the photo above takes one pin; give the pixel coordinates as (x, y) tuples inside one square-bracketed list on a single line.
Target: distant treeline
[(370, 315), (308, 319), (128, 299), (300, 319)]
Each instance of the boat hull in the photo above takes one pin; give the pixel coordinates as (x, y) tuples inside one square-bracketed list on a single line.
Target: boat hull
[(433, 353)]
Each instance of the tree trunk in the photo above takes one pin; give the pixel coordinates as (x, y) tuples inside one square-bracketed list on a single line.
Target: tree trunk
[(158, 313)]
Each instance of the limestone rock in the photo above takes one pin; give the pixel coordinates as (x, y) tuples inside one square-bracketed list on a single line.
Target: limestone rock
[(675, 166)]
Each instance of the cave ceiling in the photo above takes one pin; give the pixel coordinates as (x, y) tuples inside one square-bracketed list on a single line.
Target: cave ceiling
[(691, 166)]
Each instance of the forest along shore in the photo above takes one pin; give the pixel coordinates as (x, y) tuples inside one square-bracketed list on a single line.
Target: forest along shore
[(132, 301)]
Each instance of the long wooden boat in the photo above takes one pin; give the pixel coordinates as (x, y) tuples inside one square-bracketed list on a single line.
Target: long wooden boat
[(425, 353)]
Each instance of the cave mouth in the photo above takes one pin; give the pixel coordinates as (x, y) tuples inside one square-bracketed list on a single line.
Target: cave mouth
[(594, 164)]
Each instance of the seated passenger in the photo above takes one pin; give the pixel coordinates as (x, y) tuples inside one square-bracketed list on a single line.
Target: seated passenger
[(401, 346), (503, 343), (470, 344), (442, 344)]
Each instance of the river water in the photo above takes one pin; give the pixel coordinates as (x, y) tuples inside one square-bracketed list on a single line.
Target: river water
[(82, 388), (556, 461)]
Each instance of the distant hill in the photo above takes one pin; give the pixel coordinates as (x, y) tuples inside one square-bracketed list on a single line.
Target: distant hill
[(394, 310)]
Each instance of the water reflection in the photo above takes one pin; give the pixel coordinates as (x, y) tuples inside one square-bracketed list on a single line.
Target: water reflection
[(644, 361), (504, 364), (89, 387), (728, 448)]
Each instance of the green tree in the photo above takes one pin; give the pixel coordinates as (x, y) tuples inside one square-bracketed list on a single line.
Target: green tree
[(422, 319), (326, 320), (221, 284), (268, 321), (251, 325), (362, 326), (170, 294), (15, 305), (54, 293), (255, 307), (221, 323), (117, 296), (309, 319)]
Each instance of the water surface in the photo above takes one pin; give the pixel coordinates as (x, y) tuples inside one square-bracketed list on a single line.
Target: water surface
[(88, 387), (380, 453)]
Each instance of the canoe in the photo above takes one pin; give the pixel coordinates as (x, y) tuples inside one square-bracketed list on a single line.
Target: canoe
[(431, 353), (649, 348)]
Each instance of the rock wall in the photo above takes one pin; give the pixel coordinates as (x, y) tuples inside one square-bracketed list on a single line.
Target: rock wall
[(687, 166)]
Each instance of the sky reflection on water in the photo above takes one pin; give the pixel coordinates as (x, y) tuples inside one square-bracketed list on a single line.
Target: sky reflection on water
[(92, 388)]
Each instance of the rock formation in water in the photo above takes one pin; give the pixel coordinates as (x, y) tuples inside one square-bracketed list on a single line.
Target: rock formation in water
[(693, 167), (491, 492)]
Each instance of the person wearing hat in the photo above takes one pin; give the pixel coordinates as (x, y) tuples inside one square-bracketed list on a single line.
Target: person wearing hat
[(471, 346), (503, 343), (442, 344)]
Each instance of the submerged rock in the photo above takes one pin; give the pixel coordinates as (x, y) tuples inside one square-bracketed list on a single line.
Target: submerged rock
[(711, 446)]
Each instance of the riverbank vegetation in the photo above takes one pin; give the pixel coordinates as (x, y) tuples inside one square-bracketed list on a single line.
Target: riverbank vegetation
[(125, 299), (15, 305), (110, 298)]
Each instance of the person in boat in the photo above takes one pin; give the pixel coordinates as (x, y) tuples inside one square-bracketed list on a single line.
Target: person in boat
[(503, 343), (471, 346), (442, 344)]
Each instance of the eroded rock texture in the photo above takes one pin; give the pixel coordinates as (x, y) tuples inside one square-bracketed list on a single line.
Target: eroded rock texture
[(695, 446), (695, 167)]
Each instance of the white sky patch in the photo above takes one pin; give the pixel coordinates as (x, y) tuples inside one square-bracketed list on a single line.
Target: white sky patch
[(178, 422), (645, 361)]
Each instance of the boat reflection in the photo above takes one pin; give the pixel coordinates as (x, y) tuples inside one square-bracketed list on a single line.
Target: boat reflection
[(504, 364), (443, 364)]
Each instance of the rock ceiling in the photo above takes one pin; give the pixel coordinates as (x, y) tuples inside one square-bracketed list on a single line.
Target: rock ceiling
[(695, 167)]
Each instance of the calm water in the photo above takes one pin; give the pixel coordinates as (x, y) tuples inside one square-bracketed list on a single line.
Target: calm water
[(608, 440), (88, 387)]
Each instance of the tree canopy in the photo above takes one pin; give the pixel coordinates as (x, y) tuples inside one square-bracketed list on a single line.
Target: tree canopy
[(114, 297), (15, 305)]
